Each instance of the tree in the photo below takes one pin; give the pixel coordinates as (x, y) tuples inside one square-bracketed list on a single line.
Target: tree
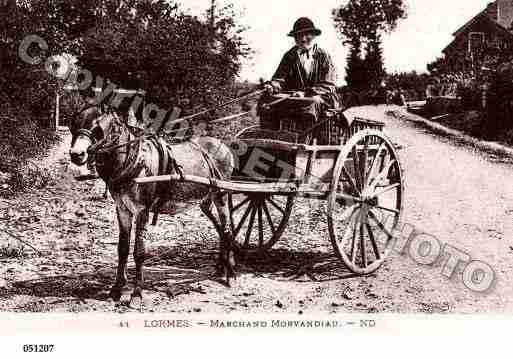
[(135, 43), (172, 55), (374, 63), (367, 18), (361, 24), (149, 44), (355, 70)]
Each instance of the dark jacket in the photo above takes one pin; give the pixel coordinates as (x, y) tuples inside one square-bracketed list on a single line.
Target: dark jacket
[(290, 76)]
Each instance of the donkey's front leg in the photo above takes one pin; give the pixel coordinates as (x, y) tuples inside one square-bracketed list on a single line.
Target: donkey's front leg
[(125, 224), (207, 206), (139, 254), (227, 254)]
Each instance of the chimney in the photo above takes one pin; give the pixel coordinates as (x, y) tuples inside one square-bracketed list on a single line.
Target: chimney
[(491, 11), (505, 13)]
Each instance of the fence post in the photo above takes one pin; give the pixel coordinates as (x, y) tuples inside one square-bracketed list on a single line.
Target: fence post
[(55, 122)]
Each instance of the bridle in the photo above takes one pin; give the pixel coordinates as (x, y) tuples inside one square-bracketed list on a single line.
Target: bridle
[(84, 132), (109, 140), (100, 145)]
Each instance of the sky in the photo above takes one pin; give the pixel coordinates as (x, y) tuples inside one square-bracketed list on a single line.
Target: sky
[(417, 41)]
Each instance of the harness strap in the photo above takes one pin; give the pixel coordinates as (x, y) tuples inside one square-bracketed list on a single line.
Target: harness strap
[(215, 173), (131, 166), (167, 165), (163, 155)]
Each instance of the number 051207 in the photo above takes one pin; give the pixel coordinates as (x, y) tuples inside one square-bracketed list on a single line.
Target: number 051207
[(38, 348)]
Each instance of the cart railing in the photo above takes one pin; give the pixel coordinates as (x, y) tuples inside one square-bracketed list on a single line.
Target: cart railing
[(333, 130)]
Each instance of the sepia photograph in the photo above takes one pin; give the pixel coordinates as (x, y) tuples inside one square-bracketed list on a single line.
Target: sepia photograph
[(236, 165)]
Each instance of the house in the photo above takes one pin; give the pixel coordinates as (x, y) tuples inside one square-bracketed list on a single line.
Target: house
[(485, 39)]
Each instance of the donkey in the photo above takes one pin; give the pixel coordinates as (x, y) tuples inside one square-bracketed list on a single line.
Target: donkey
[(121, 156)]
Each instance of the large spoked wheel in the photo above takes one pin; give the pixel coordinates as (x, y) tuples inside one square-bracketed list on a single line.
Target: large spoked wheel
[(258, 220), (365, 201)]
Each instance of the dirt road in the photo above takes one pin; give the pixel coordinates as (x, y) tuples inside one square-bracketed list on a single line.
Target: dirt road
[(460, 196)]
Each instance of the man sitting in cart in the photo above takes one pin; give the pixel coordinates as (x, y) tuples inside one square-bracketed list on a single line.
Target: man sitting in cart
[(307, 72)]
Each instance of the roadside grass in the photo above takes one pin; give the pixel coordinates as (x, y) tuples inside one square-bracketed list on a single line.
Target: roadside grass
[(13, 251), (472, 123), (22, 142), (507, 138)]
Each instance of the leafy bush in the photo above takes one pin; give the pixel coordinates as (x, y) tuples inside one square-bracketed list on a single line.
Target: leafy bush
[(171, 55), (413, 83), (506, 137), (471, 95), (13, 251), (470, 123), (500, 102), (21, 140)]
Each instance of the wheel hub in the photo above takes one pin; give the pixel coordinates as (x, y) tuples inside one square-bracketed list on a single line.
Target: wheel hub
[(370, 200)]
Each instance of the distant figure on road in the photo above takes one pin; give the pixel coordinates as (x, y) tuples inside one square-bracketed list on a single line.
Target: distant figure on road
[(402, 98)]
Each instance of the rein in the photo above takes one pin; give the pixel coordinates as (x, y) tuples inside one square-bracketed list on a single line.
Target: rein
[(218, 107), (104, 146)]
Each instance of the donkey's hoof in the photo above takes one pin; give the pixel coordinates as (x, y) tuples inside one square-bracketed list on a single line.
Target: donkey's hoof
[(225, 274), (229, 279), (116, 293), (230, 274), (136, 300)]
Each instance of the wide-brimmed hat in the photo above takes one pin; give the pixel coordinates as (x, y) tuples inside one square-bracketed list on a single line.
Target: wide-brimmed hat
[(304, 24)]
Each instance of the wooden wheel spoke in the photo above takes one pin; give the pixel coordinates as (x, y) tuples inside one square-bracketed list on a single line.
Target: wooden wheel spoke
[(365, 159), (354, 243), (269, 218), (250, 227), (237, 207), (375, 162), (351, 180), (252, 215), (348, 213), (260, 227), (392, 210), (362, 245), (373, 242), (380, 225), (356, 166), (346, 197), (242, 221), (276, 206), (381, 176), (386, 189)]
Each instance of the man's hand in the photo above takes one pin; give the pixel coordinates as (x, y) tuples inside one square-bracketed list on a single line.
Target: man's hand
[(272, 88), (269, 89), (298, 94), (317, 99)]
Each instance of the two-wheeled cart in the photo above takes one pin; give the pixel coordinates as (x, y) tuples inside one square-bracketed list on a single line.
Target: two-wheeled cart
[(351, 165)]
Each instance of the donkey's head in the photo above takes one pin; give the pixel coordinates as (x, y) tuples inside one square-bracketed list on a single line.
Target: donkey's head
[(89, 127)]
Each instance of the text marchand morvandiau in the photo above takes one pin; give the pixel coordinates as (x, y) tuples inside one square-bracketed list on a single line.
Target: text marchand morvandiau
[(275, 324)]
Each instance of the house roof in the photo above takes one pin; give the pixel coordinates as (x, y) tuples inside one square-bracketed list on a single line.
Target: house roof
[(489, 11), (482, 16), (470, 23)]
